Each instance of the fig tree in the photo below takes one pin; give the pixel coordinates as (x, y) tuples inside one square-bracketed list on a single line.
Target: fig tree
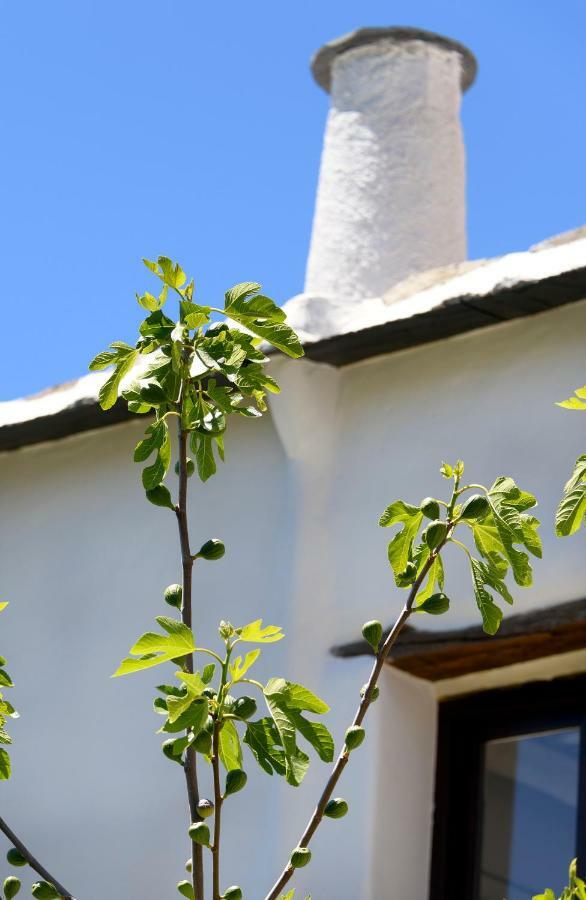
[(226, 630), (160, 496), (44, 891), (11, 887), (430, 508), (169, 751), (174, 595), (300, 857), (372, 632), (434, 534), (475, 507), (374, 694), (336, 808), (212, 549), (202, 743), (436, 605), (235, 781), (229, 703), (205, 808), (354, 737), (407, 576), (200, 833), (189, 465), (152, 393), (15, 857), (245, 707)]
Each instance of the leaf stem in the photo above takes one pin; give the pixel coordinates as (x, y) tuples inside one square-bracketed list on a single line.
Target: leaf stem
[(469, 487), (210, 653), (365, 702), (190, 767), (251, 681), (33, 862), (463, 546)]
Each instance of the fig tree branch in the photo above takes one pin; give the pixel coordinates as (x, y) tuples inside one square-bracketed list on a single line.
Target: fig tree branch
[(33, 862), (365, 702), (190, 767), (217, 814)]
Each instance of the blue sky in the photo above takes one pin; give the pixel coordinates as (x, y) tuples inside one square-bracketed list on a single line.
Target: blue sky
[(134, 128)]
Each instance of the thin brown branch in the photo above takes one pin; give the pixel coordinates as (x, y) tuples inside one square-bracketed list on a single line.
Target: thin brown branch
[(365, 702), (217, 814), (33, 862), (190, 767)]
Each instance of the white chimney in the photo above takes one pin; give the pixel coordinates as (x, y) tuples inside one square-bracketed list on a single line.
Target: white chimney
[(391, 195)]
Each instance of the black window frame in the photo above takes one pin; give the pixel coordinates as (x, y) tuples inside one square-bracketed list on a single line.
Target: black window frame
[(464, 727)]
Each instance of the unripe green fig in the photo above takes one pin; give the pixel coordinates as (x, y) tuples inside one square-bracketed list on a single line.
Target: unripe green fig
[(435, 605), (202, 743), (45, 891), (210, 693), (374, 694), (372, 632), (189, 465), (15, 857), (354, 737), (212, 549), (160, 496), (245, 707), (434, 534), (200, 833), (235, 781), (430, 508), (188, 865), (232, 893), (336, 808), (170, 752), (174, 595), (407, 576), (300, 857), (11, 887), (475, 507), (205, 808), (185, 888)]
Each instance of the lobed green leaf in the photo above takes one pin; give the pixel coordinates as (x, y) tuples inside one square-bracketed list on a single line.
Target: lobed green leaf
[(572, 508)]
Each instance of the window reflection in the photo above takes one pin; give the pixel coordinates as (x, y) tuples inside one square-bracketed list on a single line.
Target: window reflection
[(530, 793)]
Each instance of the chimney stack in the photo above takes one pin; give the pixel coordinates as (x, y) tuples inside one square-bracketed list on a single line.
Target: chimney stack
[(391, 195)]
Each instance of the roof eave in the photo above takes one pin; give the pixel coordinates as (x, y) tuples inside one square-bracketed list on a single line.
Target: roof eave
[(454, 316)]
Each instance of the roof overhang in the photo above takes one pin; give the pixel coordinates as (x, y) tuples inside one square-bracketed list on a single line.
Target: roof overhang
[(438, 655), (454, 316), (479, 295)]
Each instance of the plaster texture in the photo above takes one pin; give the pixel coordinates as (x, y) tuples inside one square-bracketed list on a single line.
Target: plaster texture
[(303, 489), (391, 188)]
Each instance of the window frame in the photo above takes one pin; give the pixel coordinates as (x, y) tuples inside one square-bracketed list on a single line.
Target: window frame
[(465, 725)]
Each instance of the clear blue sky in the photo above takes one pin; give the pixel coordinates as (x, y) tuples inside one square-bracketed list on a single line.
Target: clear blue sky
[(134, 128)]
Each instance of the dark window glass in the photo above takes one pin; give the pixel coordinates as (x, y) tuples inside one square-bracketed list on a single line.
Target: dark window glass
[(529, 813), (510, 803)]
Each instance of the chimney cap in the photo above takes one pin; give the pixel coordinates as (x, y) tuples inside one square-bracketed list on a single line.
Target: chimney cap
[(321, 64)]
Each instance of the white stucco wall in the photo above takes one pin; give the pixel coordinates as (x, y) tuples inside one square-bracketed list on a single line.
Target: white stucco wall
[(304, 490)]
